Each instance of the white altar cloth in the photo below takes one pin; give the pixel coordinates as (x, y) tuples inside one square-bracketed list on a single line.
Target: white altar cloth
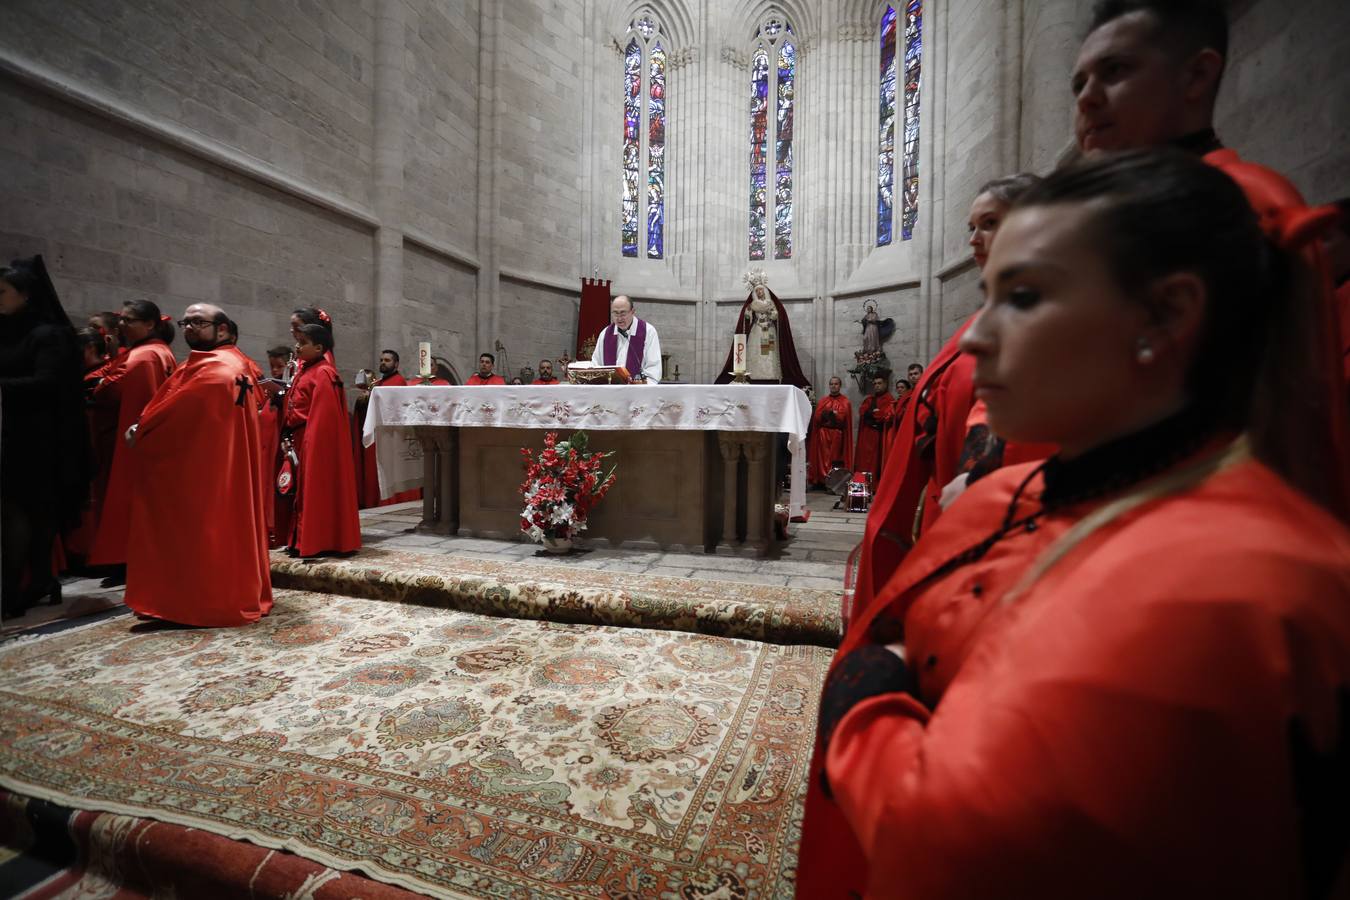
[(777, 408)]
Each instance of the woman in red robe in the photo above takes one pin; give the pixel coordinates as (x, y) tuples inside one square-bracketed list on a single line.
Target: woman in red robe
[(1125, 671), (831, 434), (128, 385), (325, 518), (930, 443)]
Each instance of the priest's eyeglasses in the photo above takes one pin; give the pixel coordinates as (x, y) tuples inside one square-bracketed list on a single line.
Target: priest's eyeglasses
[(198, 323)]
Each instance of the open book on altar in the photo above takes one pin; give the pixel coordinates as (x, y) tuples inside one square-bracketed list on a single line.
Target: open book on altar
[(584, 372)]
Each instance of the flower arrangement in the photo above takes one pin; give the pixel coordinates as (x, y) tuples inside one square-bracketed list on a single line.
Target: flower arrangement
[(868, 365), (561, 487)]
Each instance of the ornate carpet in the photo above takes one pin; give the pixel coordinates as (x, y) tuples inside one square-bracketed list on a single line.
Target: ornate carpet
[(569, 593), (434, 749)]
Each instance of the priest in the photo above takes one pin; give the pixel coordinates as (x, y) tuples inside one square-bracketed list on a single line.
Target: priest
[(831, 434), (629, 342), (200, 507)]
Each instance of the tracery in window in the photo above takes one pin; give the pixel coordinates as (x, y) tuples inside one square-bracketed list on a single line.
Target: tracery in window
[(773, 63)]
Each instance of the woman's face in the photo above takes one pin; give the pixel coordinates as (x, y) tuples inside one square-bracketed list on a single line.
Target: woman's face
[(134, 328), (295, 328), (307, 350), (1055, 342), (11, 301), (986, 214)]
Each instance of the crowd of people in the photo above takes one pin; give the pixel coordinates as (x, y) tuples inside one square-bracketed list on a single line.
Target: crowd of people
[(1098, 639), (1097, 636)]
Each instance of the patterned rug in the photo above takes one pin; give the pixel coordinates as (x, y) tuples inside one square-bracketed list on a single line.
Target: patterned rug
[(434, 749), (780, 615)]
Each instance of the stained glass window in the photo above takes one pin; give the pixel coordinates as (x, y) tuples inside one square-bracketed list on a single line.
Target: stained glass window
[(910, 159), (759, 131), (782, 239), (656, 155), (632, 137), (643, 217), (886, 145), (773, 72)]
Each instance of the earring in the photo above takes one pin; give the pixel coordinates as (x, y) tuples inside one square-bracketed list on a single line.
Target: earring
[(1143, 352)]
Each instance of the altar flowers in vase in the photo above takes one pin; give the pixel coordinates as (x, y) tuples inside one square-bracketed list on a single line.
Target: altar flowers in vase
[(561, 488)]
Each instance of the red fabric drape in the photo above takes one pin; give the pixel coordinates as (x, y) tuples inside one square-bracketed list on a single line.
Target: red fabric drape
[(594, 313)]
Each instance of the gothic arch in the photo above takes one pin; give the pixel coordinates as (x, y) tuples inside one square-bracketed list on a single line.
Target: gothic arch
[(677, 22)]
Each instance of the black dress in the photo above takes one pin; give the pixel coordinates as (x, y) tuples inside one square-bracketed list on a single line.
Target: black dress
[(44, 446)]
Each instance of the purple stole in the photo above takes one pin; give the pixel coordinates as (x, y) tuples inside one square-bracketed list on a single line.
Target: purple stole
[(637, 342)]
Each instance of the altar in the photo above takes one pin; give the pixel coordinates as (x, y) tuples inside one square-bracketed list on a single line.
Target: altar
[(695, 462)]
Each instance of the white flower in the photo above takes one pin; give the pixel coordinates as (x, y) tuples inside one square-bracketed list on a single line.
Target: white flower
[(562, 514)]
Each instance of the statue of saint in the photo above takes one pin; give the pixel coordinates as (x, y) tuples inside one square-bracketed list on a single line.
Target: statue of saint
[(771, 356)]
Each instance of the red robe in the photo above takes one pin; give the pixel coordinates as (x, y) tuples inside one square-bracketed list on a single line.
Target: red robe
[(430, 381), (549, 381), (477, 379), (873, 414), (129, 384), (1343, 305), (324, 519), (1136, 724), (830, 442), (199, 515), (367, 472)]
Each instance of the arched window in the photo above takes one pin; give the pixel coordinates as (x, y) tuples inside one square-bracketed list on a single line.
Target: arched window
[(643, 220), (773, 62), (891, 67)]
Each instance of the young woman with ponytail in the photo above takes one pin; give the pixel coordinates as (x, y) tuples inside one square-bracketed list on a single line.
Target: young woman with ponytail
[(129, 385), (1137, 681)]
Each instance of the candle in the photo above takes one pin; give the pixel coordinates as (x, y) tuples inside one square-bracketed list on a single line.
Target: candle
[(424, 358), (738, 353)]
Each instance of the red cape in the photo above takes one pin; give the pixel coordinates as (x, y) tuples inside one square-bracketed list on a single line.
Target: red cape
[(477, 379), (129, 384), (867, 454), (787, 349), (199, 511), (325, 516), (541, 381), (1125, 729), (829, 444)]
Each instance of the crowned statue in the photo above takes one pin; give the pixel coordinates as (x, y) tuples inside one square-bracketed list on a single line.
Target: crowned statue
[(770, 354)]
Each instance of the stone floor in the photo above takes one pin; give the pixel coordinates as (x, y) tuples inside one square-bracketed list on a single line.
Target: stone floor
[(814, 556)]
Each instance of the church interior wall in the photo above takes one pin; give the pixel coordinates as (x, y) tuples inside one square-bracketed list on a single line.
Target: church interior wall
[(437, 307), (1286, 92), (185, 151), (537, 321), (440, 170), (119, 218)]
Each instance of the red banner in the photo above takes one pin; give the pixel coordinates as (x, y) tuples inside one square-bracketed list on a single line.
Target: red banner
[(594, 314)]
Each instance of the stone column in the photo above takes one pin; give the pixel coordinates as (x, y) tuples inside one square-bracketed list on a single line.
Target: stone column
[(758, 497), (489, 277), (730, 446), (390, 25)]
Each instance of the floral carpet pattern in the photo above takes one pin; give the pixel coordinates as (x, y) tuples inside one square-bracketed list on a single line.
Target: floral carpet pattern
[(574, 594), (435, 749)]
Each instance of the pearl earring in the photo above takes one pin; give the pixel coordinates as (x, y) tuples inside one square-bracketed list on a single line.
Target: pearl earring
[(1144, 352)]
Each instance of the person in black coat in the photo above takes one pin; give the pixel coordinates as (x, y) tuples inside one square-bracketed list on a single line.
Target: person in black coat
[(44, 442)]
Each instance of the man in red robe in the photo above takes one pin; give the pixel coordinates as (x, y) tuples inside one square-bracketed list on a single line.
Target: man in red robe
[(873, 414), (367, 474), (485, 375), (545, 373), (831, 434), (200, 506)]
